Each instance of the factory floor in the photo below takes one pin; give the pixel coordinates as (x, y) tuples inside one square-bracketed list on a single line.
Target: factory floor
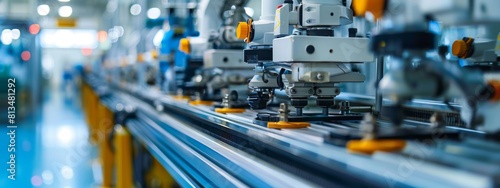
[(52, 148)]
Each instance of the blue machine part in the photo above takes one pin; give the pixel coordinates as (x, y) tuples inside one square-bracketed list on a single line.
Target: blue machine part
[(171, 39)]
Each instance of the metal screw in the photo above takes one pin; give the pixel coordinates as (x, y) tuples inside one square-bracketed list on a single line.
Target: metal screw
[(319, 91), (369, 126), (283, 112), (319, 76), (308, 9), (226, 101), (309, 21), (437, 120), (293, 91), (344, 107), (311, 91)]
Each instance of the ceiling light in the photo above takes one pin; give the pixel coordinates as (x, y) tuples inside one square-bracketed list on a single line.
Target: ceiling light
[(34, 29), (65, 11), (135, 9), (26, 55), (64, 1), (6, 37), (15, 34), (43, 10), (154, 13)]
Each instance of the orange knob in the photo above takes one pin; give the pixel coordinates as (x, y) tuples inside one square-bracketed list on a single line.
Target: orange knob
[(459, 48), (375, 7), (495, 84), (185, 46), (243, 30), (462, 48)]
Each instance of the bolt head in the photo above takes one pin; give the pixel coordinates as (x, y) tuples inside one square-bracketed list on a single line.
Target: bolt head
[(319, 76)]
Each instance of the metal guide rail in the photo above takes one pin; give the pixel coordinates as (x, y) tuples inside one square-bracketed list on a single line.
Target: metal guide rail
[(200, 147)]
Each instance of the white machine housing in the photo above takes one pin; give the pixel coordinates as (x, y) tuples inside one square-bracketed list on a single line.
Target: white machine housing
[(326, 49), (224, 59)]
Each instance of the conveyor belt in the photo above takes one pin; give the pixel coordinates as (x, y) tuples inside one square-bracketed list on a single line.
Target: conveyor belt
[(183, 136)]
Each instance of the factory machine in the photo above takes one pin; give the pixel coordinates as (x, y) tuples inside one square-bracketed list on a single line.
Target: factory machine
[(431, 122), (177, 68), (223, 67)]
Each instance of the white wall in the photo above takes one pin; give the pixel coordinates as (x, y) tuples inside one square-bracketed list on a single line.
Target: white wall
[(59, 59)]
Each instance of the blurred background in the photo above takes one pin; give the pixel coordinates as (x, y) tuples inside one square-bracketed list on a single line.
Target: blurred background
[(45, 46)]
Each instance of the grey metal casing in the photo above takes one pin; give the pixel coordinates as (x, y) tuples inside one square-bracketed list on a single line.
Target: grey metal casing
[(321, 15), (224, 59), (327, 49)]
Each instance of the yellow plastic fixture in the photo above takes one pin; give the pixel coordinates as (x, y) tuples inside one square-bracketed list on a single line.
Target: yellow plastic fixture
[(376, 7), (369, 146), (230, 110), (288, 125), (181, 97), (201, 102), (185, 46)]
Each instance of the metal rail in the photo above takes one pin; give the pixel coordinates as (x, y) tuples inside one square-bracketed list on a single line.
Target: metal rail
[(188, 138)]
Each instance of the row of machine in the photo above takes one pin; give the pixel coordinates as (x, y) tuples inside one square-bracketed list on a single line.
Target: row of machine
[(313, 93)]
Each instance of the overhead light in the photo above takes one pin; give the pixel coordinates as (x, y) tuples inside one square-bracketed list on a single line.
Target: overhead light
[(26, 55), (43, 10), (64, 1), (65, 11), (15, 33), (111, 6), (6, 37), (135, 9), (102, 36), (120, 30), (154, 13), (34, 29), (86, 51)]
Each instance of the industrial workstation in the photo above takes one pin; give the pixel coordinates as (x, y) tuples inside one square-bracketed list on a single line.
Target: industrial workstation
[(253, 93)]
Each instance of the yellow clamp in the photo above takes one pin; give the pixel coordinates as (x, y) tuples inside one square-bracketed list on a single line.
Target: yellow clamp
[(181, 97), (201, 102), (230, 110), (370, 146), (375, 7), (288, 125)]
